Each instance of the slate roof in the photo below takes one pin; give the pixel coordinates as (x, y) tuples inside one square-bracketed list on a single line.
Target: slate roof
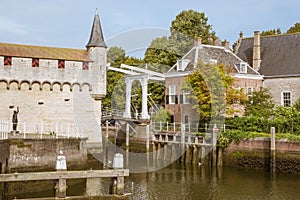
[(280, 54), (42, 52), (209, 53), (96, 37)]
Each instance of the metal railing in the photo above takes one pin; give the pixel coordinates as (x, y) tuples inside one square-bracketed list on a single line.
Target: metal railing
[(39, 130), (188, 127)]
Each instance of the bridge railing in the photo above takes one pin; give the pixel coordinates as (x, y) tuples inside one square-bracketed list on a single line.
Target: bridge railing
[(39, 130), (187, 127)]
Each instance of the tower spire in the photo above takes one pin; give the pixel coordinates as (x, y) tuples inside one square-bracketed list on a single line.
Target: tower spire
[(96, 37)]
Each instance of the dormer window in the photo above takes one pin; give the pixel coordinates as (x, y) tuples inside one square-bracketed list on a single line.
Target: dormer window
[(243, 67), (182, 64), (7, 60)]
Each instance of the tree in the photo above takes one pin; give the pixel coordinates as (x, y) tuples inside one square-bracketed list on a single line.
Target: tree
[(212, 90), (193, 24), (260, 104), (271, 32), (294, 29), (116, 55), (187, 26)]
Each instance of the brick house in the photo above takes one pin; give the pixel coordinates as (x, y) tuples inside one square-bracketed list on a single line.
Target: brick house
[(176, 103), (277, 58), (54, 85)]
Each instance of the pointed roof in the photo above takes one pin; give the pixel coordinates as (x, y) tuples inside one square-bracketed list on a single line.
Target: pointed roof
[(96, 37)]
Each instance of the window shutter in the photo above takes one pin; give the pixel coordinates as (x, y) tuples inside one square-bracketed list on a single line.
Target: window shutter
[(181, 98), (176, 99), (167, 99)]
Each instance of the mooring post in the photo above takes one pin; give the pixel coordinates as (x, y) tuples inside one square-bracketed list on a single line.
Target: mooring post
[(117, 183), (127, 135), (147, 138), (273, 150), (214, 145)]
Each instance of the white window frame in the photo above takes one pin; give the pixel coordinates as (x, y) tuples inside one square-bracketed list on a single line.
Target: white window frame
[(243, 67), (185, 99), (283, 98), (172, 94)]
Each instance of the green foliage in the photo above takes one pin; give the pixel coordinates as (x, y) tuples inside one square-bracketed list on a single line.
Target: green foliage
[(161, 115), (294, 29), (193, 24), (284, 119), (260, 104), (225, 138), (271, 32), (212, 89), (163, 52)]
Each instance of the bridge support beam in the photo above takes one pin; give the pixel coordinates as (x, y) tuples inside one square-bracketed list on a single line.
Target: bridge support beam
[(144, 83), (128, 98)]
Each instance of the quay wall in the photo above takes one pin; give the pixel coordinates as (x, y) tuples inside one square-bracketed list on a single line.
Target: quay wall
[(256, 154), (40, 154), (4, 155)]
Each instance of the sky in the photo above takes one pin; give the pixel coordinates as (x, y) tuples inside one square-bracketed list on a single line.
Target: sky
[(132, 24)]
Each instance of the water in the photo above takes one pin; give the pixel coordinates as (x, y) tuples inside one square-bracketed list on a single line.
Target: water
[(180, 182), (198, 182)]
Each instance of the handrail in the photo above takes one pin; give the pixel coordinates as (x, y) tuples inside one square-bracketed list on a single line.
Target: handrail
[(54, 175)]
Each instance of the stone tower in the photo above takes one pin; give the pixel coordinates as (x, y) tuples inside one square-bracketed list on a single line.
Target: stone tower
[(96, 48)]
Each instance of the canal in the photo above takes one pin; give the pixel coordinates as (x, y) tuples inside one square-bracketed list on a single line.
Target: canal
[(180, 182)]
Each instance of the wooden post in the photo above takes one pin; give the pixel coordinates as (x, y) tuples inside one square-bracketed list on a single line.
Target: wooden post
[(147, 138), (273, 150), (127, 135), (220, 157), (61, 188)]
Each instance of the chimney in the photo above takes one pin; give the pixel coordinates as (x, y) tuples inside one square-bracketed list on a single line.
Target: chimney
[(225, 44), (198, 41), (256, 51)]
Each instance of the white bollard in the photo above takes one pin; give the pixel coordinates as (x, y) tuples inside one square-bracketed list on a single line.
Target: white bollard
[(61, 163), (118, 162)]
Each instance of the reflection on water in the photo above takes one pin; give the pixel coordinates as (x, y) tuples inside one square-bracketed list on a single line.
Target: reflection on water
[(181, 182), (199, 182)]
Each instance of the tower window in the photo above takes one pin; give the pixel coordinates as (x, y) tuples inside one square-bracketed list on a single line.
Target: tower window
[(35, 62), (7, 60), (61, 64)]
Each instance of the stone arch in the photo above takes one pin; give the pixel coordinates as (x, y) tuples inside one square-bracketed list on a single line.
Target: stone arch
[(64, 86), (86, 84), (3, 84), (55, 84), (45, 84), (23, 83), (14, 85), (36, 82), (76, 87)]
